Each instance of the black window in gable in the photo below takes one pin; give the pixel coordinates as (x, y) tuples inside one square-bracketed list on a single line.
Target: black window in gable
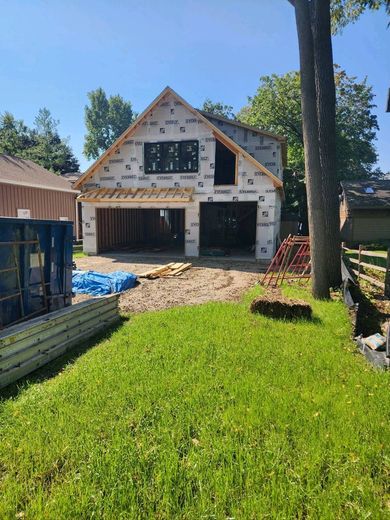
[(172, 157), (153, 157), (189, 156)]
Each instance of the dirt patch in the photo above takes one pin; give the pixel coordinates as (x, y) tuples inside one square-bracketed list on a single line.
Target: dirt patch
[(277, 306), (207, 280)]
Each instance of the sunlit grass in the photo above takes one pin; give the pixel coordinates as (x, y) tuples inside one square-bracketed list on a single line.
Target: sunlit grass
[(79, 254), (204, 412)]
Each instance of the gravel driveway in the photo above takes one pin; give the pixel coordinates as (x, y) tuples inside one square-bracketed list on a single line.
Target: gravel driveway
[(208, 280)]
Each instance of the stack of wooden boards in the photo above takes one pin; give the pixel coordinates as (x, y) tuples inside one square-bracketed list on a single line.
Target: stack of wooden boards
[(169, 270)]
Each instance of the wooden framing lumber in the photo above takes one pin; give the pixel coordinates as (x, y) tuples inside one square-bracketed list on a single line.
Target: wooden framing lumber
[(173, 267), (156, 270), (168, 270), (137, 195), (180, 270)]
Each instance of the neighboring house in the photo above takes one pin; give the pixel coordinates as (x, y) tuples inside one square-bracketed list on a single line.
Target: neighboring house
[(365, 211), (71, 177), (188, 181), (29, 191)]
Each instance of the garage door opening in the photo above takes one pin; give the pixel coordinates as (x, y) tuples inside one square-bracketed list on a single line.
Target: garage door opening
[(140, 230), (228, 228)]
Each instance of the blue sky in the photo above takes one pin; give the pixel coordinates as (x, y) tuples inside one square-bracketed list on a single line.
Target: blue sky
[(53, 52)]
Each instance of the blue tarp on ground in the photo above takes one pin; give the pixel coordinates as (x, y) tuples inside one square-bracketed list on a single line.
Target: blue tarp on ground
[(99, 284)]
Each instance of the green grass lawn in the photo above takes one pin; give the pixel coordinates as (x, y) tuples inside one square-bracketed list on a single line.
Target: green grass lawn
[(79, 254), (204, 412)]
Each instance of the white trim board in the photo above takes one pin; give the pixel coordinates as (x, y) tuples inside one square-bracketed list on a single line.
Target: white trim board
[(31, 185)]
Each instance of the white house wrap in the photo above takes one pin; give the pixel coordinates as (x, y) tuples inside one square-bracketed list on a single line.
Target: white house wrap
[(175, 157)]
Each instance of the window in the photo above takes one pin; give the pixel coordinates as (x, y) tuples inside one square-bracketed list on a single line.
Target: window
[(171, 157), (225, 165)]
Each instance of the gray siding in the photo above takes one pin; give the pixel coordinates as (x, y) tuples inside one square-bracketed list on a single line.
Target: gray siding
[(366, 226)]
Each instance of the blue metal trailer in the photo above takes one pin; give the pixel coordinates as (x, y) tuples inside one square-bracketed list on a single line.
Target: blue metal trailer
[(35, 268)]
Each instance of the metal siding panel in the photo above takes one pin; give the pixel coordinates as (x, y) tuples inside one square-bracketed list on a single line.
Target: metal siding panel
[(43, 204)]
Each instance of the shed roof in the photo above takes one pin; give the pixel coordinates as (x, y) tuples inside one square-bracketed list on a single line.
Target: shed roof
[(14, 170), (235, 122), (373, 194), (280, 138)]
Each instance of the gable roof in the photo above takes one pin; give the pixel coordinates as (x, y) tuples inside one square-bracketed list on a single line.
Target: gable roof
[(221, 136), (23, 172), (357, 196)]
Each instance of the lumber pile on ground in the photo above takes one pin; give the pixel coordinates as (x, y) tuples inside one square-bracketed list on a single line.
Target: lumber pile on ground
[(169, 270)]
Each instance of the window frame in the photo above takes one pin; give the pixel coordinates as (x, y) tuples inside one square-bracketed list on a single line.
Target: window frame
[(163, 145)]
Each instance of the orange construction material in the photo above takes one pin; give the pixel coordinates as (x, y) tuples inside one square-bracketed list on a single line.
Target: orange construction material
[(291, 262)]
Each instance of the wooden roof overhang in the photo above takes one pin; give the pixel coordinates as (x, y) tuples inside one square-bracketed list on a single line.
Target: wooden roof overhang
[(137, 195)]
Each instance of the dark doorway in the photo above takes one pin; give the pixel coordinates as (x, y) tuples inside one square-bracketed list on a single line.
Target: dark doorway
[(153, 230), (228, 227), (225, 165)]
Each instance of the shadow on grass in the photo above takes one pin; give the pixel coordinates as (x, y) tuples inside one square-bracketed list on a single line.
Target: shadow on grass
[(57, 365), (369, 318), (315, 320)]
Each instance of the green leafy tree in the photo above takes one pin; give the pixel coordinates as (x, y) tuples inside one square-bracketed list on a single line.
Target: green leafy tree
[(106, 119), (356, 128), (344, 12), (15, 137), (218, 109), (120, 114), (49, 149), (276, 107), (41, 144)]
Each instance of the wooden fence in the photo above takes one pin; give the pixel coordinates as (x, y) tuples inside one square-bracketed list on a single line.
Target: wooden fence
[(368, 261)]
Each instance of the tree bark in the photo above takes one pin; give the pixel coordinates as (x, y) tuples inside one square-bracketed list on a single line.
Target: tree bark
[(314, 182), (326, 117)]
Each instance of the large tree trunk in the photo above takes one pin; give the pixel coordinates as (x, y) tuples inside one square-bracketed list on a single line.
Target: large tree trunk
[(314, 184), (326, 117)]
